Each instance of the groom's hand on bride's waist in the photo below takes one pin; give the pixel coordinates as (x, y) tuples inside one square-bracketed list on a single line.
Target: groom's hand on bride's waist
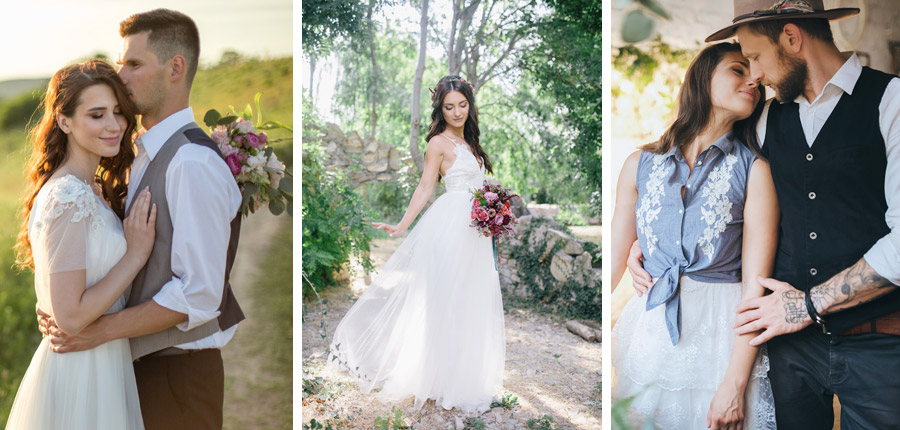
[(61, 342), (784, 311)]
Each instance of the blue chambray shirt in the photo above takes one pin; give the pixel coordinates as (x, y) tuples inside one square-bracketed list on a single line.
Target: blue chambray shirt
[(698, 236)]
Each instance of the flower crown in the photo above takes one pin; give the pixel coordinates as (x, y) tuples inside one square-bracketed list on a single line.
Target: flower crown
[(449, 79)]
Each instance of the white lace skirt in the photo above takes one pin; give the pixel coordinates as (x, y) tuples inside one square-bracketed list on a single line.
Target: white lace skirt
[(674, 385)]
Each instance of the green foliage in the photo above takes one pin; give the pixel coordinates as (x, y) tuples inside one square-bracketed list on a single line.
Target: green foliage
[(570, 215), (573, 298), (545, 422), (335, 222), (508, 401), (639, 65), (391, 421), (475, 423), (325, 22), (18, 111)]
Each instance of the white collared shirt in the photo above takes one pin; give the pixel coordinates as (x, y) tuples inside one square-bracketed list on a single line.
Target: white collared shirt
[(201, 221), (884, 256)]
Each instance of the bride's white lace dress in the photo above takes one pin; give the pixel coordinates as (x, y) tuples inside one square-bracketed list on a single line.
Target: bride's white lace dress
[(72, 228), (431, 323)]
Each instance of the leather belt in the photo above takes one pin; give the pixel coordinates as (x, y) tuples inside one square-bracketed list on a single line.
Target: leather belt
[(885, 324)]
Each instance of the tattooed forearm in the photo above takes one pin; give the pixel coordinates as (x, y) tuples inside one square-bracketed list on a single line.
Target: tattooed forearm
[(794, 307), (851, 287)]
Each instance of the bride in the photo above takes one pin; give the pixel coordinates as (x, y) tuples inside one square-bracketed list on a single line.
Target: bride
[(703, 208), (431, 324), (83, 255)]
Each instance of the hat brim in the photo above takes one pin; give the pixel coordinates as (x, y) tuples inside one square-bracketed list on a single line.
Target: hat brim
[(831, 15)]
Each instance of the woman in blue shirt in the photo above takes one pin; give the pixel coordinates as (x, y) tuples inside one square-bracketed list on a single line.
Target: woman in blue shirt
[(689, 199)]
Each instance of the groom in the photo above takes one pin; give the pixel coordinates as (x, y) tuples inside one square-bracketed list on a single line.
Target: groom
[(832, 140), (181, 310)]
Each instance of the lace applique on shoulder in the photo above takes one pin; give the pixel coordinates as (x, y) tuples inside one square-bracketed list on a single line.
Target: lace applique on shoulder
[(68, 193)]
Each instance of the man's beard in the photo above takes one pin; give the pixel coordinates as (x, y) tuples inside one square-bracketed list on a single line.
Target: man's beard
[(795, 77)]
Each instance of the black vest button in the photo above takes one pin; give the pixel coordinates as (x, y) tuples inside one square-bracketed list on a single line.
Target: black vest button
[(809, 157), (813, 271), (812, 196), (813, 235)]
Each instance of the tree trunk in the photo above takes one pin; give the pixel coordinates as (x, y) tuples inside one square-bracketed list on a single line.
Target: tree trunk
[(417, 93), (312, 72), (373, 87)]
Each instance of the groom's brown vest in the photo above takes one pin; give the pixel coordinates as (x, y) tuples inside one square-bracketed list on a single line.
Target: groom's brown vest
[(158, 270)]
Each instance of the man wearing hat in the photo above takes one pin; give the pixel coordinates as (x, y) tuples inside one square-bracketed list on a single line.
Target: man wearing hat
[(832, 139)]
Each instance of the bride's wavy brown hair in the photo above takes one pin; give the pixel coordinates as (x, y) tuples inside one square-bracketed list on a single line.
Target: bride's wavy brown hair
[(470, 130), (49, 144)]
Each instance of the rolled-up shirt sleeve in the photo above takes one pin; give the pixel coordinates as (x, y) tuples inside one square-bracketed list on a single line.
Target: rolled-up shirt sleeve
[(884, 256), (203, 198)]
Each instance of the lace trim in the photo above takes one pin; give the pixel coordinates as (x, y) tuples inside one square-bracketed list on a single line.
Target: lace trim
[(649, 209), (70, 192), (716, 212)]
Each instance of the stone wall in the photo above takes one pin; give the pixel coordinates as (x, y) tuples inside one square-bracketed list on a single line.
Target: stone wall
[(376, 160), (570, 260)]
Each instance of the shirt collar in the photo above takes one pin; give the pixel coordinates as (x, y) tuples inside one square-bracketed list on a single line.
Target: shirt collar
[(154, 139), (844, 79), (724, 144)]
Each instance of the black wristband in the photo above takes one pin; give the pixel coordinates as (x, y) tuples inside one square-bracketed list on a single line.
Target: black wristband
[(811, 310)]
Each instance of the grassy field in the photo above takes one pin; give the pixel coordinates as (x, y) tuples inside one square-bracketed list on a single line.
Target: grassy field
[(215, 87)]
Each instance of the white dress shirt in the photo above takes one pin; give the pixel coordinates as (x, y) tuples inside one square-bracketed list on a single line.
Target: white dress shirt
[(884, 256), (201, 221)]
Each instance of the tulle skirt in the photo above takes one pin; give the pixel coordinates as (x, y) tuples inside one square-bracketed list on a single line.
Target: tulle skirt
[(674, 385), (89, 390), (430, 325)]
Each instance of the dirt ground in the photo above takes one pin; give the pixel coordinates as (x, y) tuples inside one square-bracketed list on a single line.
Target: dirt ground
[(551, 372)]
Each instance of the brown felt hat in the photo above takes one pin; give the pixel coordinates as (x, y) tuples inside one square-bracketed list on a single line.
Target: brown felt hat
[(765, 10)]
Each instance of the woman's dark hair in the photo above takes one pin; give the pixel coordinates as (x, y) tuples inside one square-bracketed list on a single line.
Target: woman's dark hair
[(50, 143), (694, 105), (470, 129)]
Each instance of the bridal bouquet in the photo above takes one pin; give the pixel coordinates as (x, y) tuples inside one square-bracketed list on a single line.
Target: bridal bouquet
[(491, 214), (263, 179)]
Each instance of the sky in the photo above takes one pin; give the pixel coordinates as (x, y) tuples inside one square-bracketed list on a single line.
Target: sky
[(41, 36)]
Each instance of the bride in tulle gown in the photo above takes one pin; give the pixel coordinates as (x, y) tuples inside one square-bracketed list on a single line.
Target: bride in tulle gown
[(82, 256), (430, 325)]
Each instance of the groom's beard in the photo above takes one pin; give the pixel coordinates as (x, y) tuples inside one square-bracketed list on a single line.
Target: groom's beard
[(795, 78)]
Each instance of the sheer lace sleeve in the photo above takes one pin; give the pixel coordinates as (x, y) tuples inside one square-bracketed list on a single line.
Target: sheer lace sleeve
[(68, 216)]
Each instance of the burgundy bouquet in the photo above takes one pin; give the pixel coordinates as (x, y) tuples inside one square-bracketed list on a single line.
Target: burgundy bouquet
[(491, 214)]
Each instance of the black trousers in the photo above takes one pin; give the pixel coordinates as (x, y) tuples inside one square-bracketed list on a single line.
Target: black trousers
[(808, 368), (183, 391)]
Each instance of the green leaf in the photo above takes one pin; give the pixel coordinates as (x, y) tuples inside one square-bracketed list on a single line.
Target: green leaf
[(211, 119), (227, 120), (656, 8), (276, 206), (269, 151), (250, 189), (290, 208), (273, 193), (258, 110), (286, 185), (269, 125), (637, 27)]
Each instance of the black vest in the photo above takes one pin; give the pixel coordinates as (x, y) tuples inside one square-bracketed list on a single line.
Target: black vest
[(831, 194)]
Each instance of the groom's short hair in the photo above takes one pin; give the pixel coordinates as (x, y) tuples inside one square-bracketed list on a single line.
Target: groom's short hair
[(171, 33)]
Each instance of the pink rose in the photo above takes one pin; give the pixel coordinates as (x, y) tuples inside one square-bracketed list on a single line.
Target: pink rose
[(490, 197), (234, 163), (476, 203), (263, 138), (239, 139), (498, 219), (253, 140), (482, 215)]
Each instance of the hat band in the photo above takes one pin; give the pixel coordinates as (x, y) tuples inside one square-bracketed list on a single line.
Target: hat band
[(763, 13)]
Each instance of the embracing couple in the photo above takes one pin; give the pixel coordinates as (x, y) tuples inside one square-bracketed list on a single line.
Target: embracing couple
[(798, 197), (131, 242)]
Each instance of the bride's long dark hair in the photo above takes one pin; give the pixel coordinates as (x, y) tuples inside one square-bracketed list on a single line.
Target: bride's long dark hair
[(470, 129), (50, 144)]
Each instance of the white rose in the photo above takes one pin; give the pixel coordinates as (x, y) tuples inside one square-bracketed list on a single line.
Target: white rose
[(245, 126), (273, 163)]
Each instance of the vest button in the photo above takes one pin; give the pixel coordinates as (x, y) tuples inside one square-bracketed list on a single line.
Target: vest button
[(809, 157), (812, 196), (813, 235), (813, 271)]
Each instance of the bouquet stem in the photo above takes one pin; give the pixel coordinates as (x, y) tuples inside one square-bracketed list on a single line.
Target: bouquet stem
[(495, 241)]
